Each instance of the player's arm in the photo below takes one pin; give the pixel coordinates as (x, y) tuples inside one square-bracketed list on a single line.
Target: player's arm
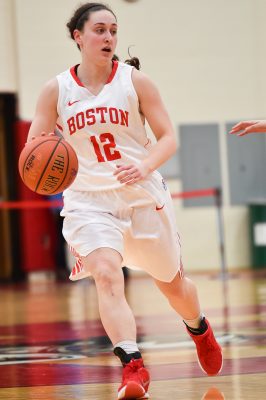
[(46, 111), (154, 111), (246, 127)]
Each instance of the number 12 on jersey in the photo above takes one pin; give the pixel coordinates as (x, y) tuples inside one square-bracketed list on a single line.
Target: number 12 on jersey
[(105, 147)]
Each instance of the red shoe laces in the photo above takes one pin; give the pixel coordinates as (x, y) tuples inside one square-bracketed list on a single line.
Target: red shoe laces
[(133, 366)]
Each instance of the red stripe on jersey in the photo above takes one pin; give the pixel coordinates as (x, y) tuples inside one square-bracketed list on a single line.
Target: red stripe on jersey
[(114, 69), (73, 71), (74, 75)]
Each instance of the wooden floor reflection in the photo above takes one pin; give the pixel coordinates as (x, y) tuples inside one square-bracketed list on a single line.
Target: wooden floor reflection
[(53, 346)]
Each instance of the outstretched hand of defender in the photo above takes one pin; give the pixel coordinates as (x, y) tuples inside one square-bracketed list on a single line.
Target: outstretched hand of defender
[(245, 127), (132, 173)]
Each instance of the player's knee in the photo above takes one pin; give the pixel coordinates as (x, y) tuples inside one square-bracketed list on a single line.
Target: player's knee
[(106, 273), (175, 289)]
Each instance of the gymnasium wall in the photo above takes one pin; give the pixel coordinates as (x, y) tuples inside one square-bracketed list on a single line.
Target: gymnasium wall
[(8, 50), (207, 57)]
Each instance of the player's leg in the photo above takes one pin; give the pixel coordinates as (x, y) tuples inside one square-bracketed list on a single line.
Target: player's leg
[(179, 290), (104, 264), (182, 295), (154, 235), (96, 233)]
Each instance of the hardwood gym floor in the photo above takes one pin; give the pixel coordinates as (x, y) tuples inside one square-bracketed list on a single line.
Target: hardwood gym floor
[(53, 346)]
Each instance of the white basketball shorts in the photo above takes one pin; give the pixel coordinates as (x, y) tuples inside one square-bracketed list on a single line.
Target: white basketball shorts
[(136, 220)]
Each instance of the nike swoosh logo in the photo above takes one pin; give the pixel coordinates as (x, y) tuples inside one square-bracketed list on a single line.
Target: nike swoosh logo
[(159, 208), (70, 103)]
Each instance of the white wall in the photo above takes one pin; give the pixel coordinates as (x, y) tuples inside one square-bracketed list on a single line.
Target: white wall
[(8, 57), (207, 57)]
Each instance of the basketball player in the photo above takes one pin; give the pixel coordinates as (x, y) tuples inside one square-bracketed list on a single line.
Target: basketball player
[(119, 211), (246, 127)]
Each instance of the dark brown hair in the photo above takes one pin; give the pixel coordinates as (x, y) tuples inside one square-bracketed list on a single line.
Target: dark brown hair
[(82, 15)]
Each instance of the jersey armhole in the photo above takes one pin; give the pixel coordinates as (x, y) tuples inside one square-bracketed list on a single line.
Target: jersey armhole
[(59, 96), (132, 84), (59, 123), (143, 119)]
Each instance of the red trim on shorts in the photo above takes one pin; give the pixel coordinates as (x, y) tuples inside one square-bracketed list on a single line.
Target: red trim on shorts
[(73, 251), (73, 71), (78, 267)]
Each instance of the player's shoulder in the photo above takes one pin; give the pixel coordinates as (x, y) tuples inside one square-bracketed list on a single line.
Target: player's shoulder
[(51, 87), (136, 74), (66, 73), (139, 75), (49, 92), (51, 83), (142, 82), (120, 69)]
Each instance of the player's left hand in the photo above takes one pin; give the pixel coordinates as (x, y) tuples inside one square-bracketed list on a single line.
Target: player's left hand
[(130, 174)]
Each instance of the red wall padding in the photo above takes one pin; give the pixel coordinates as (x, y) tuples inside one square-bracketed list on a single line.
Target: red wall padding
[(37, 226)]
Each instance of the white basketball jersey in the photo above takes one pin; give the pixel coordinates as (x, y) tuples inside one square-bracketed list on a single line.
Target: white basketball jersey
[(105, 129)]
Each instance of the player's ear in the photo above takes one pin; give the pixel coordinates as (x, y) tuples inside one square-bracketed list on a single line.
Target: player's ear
[(77, 36)]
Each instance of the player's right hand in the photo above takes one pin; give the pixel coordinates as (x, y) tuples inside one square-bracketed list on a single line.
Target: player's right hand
[(41, 135)]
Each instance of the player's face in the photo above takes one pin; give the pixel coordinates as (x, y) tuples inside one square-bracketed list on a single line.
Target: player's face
[(98, 38)]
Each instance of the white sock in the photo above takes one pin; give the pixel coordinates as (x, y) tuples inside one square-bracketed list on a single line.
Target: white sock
[(129, 346), (194, 323)]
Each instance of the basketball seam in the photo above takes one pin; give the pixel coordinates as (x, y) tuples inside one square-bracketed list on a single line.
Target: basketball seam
[(44, 169), (27, 159), (66, 169)]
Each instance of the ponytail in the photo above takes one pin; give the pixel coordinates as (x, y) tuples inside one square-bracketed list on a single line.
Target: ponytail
[(133, 61)]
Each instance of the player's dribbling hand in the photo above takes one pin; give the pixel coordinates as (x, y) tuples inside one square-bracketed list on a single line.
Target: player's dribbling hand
[(130, 174), (245, 127)]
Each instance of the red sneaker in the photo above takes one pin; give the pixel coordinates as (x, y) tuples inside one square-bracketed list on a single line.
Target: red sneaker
[(209, 352), (135, 381)]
